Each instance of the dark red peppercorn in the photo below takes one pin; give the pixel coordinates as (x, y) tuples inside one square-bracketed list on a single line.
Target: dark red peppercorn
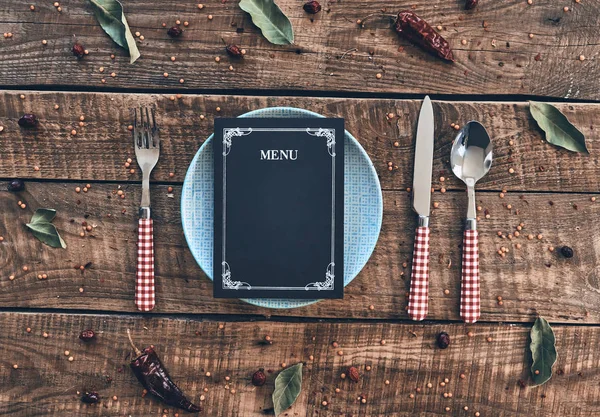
[(28, 120), (259, 378), (353, 374), (443, 340), (87, 335), (16, 185), (566, 251), (471, 4), (419, 32), (234, 50), (78, 50), (90, 397), (312, 7), (175, 32)]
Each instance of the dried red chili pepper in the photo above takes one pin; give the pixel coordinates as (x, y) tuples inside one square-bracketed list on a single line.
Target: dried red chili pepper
[(234, 50), (151, 373), (312, 7), (471, 4), (419, 32)]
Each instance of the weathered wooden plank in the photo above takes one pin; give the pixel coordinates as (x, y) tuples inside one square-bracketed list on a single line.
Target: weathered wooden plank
[(331, 52), (46, 383), (531, 279), (100, 147)]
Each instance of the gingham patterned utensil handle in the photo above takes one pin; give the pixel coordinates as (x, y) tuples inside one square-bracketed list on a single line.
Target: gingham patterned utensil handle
[(144, 285), (419, 278), (469, 287)]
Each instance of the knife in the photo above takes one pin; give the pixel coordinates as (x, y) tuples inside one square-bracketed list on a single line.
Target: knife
[(419, 279)]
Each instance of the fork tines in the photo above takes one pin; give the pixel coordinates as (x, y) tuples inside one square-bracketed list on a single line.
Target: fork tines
[(144, 128)]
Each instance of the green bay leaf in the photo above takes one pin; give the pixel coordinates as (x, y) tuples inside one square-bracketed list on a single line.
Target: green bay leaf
[(543, 351), (43, 215), (273, 23), (288, 385), (47, 233), (559, 131), (112, 19)]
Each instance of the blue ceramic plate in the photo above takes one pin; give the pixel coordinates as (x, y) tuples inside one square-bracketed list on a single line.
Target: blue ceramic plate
[(363, 206)]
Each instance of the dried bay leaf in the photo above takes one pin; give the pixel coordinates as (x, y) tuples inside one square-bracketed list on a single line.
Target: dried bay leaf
[(288, 386), (45, 231), (273, 23), (543, 351), (559, 131), (112, 19)]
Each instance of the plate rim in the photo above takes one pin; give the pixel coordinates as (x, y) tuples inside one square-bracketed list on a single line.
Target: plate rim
[(300, 303)]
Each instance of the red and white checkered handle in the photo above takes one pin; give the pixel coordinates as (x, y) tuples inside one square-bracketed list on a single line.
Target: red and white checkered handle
[(470, 309), (144, 285), (419, 278)]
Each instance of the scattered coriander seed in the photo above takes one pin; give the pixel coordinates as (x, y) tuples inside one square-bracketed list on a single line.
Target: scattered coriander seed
[(132, 171), (411, 395), (368, 368), (311, 357), (442, 190), (208, 374), (173, 59), (378, 75), (86, 52), (447, 408), (71, 358), (137, 34), (210, 17), (113, 74), (340, 353), (165, 74), (217, 59), (440, 27), (511, 170), (387, 382), (531, 36), (25, 268), (436, 204), (446, 380), (171, 174), (200, 6), (32, 7), (243, 52), (56, 107), (371, 307), (59, 9), (15, 366), (466, 408), (115, 398), (529, 1), (509, 206), (464, 41), (81, 234), (593, 199), (142, 38), (363, 400), (103, 81), (566, 9), (540, 236), (202, 398), (446, 291), (477, 414), (537, 371), (67, 353), (45, 335), (429, 385), (181, 81), (36, 168), (44, 42), (442, 384), (186, 24), (470, 334), (231, 68), (39, 276), (283, 364), (324, 403), (44, 276), (170, 189), (23, 206), (382, 342), (343, 376), (489, 339), (511, 142), (462, 376), (172, 98), (56, 4), (112, 56), (218, 109), (582, 57), (22, 96), (445, 395)]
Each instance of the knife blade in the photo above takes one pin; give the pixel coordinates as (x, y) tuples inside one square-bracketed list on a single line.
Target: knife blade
[(423, 160), (418, 300)]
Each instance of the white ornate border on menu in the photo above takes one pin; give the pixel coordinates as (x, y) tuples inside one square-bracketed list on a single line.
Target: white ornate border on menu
[(329, 283)]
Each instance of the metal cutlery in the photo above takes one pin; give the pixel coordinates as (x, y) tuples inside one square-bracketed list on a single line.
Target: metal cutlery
[(147, 151), (471, 159), (419, 280)]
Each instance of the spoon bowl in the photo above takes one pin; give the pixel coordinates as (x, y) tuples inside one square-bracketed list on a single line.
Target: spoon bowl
[(471, 154)]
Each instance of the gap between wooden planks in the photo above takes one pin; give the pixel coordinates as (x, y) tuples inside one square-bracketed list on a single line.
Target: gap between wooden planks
[(530, 279), (45, 382), (499, 57), (99, 149)]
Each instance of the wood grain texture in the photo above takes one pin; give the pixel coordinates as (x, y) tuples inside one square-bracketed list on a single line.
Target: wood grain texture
[(331, 52), (531, 279), (46, 383), (101, 146)]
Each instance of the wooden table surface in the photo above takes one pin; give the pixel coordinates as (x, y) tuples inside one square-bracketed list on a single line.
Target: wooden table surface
[(331, 69)]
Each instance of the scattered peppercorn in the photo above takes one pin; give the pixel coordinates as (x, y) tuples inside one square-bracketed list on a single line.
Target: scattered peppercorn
[(312, 7), (566, 251), (259, 378), (175, 32), (16, 185), (443, 340), (234, 50), (353, 374), (90, 397), (78, 50), (87, 335), (471, 4), (28, 120)]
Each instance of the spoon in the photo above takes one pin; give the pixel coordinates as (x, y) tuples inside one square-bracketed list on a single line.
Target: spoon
[(471, 159)]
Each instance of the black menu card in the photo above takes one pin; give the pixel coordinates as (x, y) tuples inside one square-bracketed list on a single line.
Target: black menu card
[(279, 208)]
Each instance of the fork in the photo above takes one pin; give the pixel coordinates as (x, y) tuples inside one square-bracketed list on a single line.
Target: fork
[(147, 150)]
